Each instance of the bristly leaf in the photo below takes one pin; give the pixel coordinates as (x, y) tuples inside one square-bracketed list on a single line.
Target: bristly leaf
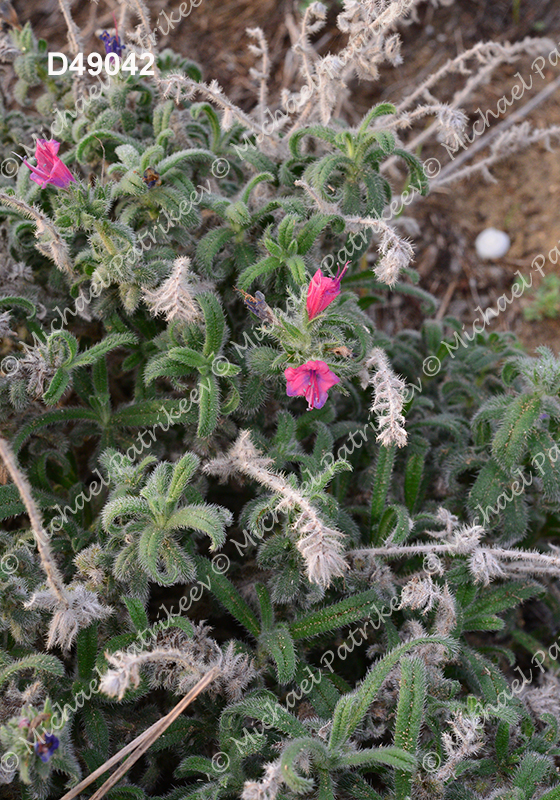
[(209, 405), (137, 613), (410, 712), (381, 480), (183, 471), (225, 592), (335, 616), (349, 713), (87, 650), (38, 661), (510, 440), (280, 645)]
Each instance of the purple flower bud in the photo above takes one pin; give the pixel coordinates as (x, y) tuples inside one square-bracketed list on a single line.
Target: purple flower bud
[(46, 746)]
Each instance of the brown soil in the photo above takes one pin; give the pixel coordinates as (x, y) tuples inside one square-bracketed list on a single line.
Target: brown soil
[(523, 201)]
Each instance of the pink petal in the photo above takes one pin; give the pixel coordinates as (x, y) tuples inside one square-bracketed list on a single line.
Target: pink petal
[(313, 380), (55, 173), (49, 147), (38, 175), (314, 396), (326, 382), (297, 380), (61, 175), (322, 291), (314, 294), (325, 377)]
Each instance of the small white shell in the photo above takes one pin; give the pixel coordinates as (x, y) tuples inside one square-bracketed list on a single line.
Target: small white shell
[(492, 243)]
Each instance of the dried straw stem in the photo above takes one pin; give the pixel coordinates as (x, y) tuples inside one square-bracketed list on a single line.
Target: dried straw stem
[(54, 578), (483, 142), (74, 38), (138, 746)]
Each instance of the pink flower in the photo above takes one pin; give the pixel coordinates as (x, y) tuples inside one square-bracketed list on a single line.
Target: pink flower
[(322, 291), (313, 379), (50, 168)]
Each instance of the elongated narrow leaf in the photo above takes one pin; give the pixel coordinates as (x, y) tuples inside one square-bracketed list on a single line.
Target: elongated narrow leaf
[(365, 695), (380, 110), (110, 342), (413, 474), (529, 774), (510, 440), (315, 685), (215, 323), (392, 756), (357, 787), (59, 415), (410, 710), (192, 765), (188, 357), (38, 662), (210, 245), (394, 526), (57, 386), (96, 729), (11, 504), (265, 603), (488, 682), (183, 471), (265, 266), (87, 650), (335, 616), (280, 645), (165, 367), (161, 413), (264, 707), (290, 758), (209, 405), (545, 461), (211, 520), (137, 613), (501, 742), (226, 593), (552, 794)]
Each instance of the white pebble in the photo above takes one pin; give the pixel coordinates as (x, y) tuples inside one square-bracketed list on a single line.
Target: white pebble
[(492, 243)]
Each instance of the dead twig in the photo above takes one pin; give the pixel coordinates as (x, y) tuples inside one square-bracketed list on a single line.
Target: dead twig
[(138, 746)]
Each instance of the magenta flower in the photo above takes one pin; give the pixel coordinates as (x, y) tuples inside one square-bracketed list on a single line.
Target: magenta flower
[(46, 746), (313, 379), (50, 168), (322, 291)]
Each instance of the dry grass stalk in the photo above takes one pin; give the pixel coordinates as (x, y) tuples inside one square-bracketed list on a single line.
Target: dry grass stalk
[(141, 744)]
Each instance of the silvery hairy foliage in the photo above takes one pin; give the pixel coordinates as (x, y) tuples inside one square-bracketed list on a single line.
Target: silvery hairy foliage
[(220, 482)]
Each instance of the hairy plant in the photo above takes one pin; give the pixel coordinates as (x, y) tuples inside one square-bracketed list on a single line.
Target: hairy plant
[(206, 487)]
